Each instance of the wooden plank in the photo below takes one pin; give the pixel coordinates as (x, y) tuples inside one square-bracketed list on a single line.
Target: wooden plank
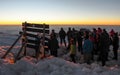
[(33, 35), (36, 25), (36, 30), (31, 46), (32, 41), (35, 41), (28, 34), (47, 39), (34, 46)]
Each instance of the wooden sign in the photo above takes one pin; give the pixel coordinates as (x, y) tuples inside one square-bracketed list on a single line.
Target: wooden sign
[(30, 40), (37, 25), (36, 30), (31, 32)]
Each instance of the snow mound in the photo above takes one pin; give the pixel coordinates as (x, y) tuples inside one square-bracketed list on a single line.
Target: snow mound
[(54, 66)]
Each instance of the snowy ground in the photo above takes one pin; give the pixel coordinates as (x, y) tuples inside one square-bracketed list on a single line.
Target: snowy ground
[(54, 66)]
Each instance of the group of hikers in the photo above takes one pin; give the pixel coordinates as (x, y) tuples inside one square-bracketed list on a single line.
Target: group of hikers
[(88, 43)]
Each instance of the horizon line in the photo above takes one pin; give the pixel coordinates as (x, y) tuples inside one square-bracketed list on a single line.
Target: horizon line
[(64, 24)]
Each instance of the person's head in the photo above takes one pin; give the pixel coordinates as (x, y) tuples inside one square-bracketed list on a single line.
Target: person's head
[(99, 28), (104, 30), (94, 30), (73, 29), (69, 29), (112, 30), (61, 28)]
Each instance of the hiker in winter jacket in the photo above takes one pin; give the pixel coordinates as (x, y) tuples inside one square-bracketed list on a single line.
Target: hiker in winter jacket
[(115, 46), (69, 36), (72, 50), (104, 44), (62, 35), (87, 48), (53, 45), (79, 40)]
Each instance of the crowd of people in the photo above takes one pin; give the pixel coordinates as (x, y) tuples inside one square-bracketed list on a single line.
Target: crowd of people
[(88, 43)]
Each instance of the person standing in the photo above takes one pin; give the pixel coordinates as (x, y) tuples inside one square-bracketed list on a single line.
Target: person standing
[(53, 45), (74, 34), (104, 44), (69, 36), (91, 38), (79, 40), (87, 48), (111, 33), (115, 46), (62, 35), (72, 50)]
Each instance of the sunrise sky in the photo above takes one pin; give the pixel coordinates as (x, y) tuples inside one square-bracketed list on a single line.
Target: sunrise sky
[(60, 11)]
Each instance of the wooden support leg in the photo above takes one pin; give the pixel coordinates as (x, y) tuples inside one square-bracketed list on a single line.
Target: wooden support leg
[(19, 53), (12, 46), (25, 53)]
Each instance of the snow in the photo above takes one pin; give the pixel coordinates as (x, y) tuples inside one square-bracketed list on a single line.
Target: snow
[(54, 66)]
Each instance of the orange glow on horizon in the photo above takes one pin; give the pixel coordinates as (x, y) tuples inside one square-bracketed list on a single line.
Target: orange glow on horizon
[(101, 22), (10, 23)]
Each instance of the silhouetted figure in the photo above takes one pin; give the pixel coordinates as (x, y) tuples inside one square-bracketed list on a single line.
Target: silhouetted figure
[(115, 46), (72, 50), (111, 33), (74, 35), (98, 33), (69, 36), (87, 48), (53, 45), (94, 34), (91, 37), (80, 39), (104, 46), (62, 35)]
